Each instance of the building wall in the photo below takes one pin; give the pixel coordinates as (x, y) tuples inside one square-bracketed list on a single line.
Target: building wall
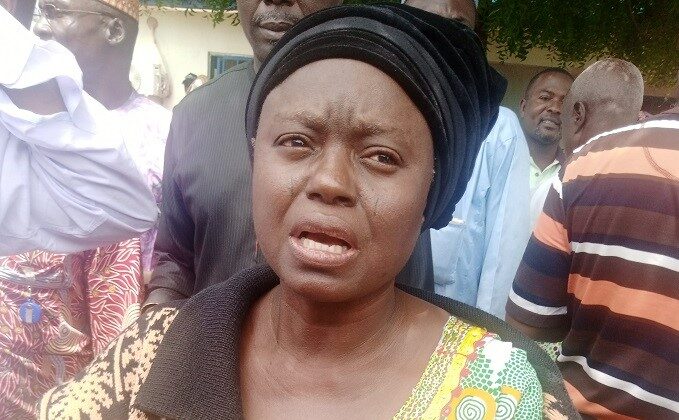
[(185, 41)]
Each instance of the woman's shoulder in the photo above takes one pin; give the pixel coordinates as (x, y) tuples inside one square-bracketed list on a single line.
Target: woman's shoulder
[(484, 350), (109, 385), (474, 374)]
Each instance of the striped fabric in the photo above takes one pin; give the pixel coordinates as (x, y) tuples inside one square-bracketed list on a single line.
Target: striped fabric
[(603, 263)]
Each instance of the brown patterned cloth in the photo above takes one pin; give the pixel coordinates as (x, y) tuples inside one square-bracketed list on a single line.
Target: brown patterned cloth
[(602, 266), (87, 299)]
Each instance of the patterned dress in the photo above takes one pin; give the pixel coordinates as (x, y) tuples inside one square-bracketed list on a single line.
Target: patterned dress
[(86, 299), (474, 376), (471, 375)]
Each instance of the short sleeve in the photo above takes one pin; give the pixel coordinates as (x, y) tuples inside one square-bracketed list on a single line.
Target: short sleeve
[(539, 295)]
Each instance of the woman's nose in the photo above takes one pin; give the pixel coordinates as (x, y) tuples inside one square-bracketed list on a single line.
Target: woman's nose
[(332, 179)]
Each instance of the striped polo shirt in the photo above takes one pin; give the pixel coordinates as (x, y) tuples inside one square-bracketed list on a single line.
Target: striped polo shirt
[(603, 263)]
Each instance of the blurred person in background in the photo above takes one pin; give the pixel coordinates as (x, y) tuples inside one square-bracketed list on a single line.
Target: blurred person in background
[(192, 81), (476, 255), (624, 96), (541, 121)]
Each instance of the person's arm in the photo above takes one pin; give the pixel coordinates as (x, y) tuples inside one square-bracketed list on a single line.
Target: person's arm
[(67, 182), (538, 301), (507, 223), (174, 275)]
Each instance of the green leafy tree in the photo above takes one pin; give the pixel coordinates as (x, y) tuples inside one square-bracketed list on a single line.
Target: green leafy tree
[(645, 32)]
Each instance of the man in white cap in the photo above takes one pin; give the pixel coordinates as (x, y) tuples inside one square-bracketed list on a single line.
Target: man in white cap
[(102, 34), (59, 146)]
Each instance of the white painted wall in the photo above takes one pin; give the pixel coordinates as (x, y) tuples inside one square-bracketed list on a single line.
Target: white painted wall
[(185, 41)]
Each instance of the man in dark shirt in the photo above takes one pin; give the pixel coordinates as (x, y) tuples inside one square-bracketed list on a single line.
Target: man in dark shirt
[(206, 233)]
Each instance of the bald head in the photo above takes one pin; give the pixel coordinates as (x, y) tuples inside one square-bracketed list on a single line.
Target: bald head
[(464, 11), (606, 96)]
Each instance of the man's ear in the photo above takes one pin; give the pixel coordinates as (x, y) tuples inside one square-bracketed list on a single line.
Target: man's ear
[(579, 116), (115, 31), (522, 107)]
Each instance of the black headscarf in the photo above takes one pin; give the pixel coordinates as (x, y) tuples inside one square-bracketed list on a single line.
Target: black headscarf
[(440, 64)]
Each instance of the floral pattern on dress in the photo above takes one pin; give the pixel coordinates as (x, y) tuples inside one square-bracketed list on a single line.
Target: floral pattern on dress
[(472, 375)]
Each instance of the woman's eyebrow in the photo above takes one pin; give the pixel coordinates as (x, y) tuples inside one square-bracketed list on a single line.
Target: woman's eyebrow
[(307, 118), (357, 124)]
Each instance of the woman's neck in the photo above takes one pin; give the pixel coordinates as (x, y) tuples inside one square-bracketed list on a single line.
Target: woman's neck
[(316, 330)]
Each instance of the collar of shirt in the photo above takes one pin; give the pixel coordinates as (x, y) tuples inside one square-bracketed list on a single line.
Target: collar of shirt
[(538, 176)]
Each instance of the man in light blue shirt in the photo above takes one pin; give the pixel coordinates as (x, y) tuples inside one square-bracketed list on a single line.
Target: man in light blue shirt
[(476, 256)]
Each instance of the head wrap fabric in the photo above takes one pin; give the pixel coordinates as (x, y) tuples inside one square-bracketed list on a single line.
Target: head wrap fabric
[(130, 7), (439, 63)]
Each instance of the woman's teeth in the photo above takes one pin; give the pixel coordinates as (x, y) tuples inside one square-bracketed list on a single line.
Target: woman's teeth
[(313, 245)]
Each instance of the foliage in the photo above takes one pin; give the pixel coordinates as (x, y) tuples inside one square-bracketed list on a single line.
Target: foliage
[(645, 32)]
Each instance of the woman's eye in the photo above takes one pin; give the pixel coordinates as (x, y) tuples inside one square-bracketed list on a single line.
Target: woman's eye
[(293, 142), (383, 158)]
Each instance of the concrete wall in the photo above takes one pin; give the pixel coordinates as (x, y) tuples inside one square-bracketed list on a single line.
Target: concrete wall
[(185, 41)]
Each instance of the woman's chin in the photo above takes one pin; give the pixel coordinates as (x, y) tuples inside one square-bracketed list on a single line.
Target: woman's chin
[(324, 286), (320, 287)]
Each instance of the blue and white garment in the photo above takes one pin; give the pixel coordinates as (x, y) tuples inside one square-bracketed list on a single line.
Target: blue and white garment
[(476, 256)]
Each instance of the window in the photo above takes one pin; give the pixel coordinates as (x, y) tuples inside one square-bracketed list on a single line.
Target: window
[(219, 63)]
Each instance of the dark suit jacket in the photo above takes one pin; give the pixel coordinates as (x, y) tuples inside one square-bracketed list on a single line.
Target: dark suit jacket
[(206, 233)]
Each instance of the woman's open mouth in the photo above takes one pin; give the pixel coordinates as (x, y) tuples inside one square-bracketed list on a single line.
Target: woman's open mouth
[(322, 247), (323, 242)]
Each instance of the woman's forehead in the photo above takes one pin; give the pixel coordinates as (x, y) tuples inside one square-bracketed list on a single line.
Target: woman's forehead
[(352, 91), (343, 73)]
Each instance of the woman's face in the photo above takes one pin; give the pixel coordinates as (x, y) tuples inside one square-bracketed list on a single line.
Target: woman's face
[(342, 168)]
